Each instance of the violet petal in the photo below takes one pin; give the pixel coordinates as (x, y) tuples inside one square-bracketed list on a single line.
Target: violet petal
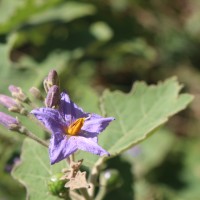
[(61, 147), (87, 144), (96, 124), (51, 118), (70, 111)]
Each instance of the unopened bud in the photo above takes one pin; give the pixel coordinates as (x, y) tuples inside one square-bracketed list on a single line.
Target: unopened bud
[(53, 77), (50, 80), (53, 97), (8, 102), (12, 105), (17, 93), (36, 93), (9, 122)]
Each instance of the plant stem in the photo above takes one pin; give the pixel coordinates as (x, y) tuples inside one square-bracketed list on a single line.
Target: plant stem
[(70, 159), (102, 192), (94, 175), (29, 134)]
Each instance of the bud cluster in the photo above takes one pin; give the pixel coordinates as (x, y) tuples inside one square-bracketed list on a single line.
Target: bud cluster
[(12, 104), (51, 86), (17, 93), (17, 102)]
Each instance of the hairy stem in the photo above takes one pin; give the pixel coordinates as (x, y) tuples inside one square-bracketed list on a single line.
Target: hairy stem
[(102, 192), (29, 134), (94, 175)]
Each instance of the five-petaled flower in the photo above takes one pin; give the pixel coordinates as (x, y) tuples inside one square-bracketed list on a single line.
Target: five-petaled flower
[(72, 129)]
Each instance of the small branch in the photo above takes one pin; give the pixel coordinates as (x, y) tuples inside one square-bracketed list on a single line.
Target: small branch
[(94, 175), (102, 192), (29, 134), (70, 159)]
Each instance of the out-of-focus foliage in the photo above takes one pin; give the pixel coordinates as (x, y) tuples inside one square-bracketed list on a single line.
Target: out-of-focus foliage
[(36, 171), (109, 43)]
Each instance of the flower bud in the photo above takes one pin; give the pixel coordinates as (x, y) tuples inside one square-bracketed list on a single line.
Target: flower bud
[(17, 93), (111, 179), (9, 122), (56, 185), (12, 105), (8, 102), (36, 93), (50, 80), (53, 97), (53, 78)]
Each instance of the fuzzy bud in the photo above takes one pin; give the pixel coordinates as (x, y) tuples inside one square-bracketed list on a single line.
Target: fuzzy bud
[(17, 93), (53, 78), (12, 105), (8, 102), (53, 97), (50, 80), (36, 93), (9, 122)]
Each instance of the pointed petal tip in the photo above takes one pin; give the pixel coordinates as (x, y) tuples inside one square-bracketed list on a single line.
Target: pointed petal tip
[(105, 154), (35, 111), (52, 162), (112, 118)]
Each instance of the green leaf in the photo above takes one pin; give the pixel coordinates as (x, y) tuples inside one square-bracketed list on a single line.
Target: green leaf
[(27, 72), (35, 170), (138, 114), (65, 12), (101, 31), (17, 13)]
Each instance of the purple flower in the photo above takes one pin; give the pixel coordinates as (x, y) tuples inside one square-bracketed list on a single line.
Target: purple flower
[(72, 129)]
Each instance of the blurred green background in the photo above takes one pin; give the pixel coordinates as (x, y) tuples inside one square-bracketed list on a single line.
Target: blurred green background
[(110, 44)]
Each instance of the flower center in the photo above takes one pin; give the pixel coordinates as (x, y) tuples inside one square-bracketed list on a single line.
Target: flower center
[(75, 127)]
